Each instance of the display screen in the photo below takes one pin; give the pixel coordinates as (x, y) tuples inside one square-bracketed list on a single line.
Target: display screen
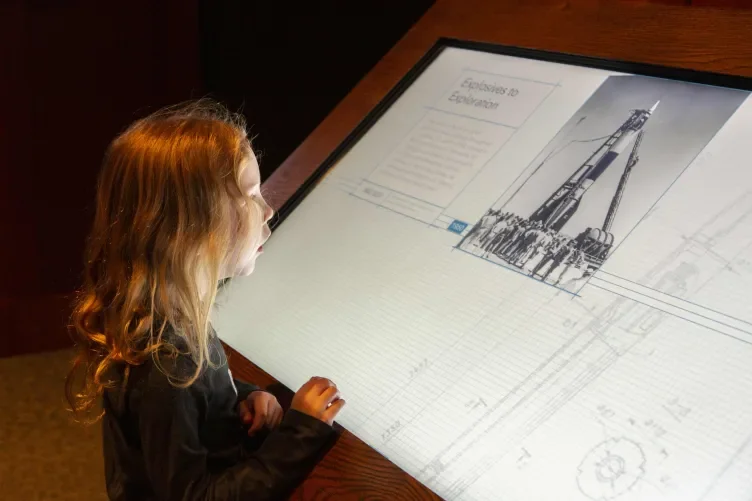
[(530, 280)]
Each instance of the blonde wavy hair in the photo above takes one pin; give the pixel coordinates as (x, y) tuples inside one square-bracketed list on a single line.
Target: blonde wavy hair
[(169, 210)]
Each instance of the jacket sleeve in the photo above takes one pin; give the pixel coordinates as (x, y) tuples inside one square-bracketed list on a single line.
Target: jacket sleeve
[(176, 460)]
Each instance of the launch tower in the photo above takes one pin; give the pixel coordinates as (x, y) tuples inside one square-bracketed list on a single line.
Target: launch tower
[(565, 201)]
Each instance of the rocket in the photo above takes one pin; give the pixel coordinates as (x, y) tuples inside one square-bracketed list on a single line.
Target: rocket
[(563, 204)]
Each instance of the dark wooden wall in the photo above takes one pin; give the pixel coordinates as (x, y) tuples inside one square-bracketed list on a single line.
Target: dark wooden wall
[(73, 74)]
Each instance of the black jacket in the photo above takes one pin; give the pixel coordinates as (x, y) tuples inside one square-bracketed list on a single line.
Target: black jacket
[(166, 443)]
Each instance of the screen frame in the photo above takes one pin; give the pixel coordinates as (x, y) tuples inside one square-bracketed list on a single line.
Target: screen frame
[(621, 66)]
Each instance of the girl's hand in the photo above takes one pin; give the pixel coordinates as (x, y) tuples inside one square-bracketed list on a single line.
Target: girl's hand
[(318, 398), (260, 409)]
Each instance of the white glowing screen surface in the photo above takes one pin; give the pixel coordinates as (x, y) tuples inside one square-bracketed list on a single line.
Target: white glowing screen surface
[(530, 281)]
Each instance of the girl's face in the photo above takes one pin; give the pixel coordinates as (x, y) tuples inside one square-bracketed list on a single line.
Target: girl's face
[(246, 251)]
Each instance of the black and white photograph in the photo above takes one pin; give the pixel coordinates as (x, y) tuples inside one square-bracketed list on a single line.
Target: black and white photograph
[(599, 176)]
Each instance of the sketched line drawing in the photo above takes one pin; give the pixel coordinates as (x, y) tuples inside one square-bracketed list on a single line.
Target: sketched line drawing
[(609, 334), (610, 469)]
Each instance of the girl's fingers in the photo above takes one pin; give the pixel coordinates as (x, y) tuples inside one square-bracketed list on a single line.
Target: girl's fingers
[(333, 410), (322, 384), (330, 395), (259, 418), (258, 422), (260, 402), (277, 417), (308, 385), (276, 412), (245, 413), (270, 412)]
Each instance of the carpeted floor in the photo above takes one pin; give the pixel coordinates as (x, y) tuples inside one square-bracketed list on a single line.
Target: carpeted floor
[(44, 454)]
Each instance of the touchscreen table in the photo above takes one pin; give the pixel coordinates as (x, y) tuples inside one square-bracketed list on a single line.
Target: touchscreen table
[(529, 275)]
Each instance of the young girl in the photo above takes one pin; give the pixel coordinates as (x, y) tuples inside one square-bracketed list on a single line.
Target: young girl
[(178, 209)]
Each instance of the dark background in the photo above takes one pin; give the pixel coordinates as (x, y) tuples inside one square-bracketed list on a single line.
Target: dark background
[(76, 73), (287, 68)]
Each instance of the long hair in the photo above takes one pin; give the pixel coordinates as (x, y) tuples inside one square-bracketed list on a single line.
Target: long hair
[(167, 216)]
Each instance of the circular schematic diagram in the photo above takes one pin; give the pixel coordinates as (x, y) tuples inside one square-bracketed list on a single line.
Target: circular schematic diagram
[(611, 469)]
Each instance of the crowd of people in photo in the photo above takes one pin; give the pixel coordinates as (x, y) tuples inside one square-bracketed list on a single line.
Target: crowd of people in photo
[(538, 251)]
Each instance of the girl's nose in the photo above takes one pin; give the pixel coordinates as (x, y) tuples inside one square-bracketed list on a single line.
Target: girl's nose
[(268, 212)]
